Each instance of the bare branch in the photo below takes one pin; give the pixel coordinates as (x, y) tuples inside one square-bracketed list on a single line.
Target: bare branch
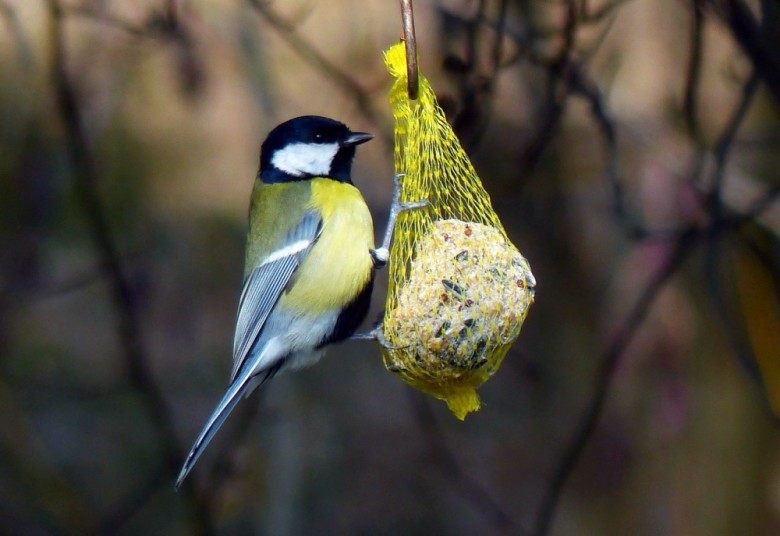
[(718, 225), (321, 63), (726, 142), (754, 37), (693, 78), (440, 455), (609, 364), (122, 295)]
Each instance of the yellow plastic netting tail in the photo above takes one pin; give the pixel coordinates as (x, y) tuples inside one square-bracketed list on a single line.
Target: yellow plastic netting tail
[(459, 290)]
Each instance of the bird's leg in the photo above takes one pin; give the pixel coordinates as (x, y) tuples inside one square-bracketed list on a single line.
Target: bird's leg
[(382, 253), (375, 334)]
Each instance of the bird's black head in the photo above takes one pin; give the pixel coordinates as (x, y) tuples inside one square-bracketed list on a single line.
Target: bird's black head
[(307, 147)]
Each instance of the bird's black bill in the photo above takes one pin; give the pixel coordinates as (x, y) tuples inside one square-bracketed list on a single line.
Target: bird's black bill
[(356, 138)]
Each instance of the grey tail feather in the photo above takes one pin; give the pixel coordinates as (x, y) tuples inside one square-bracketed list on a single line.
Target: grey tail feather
[(218, 416)]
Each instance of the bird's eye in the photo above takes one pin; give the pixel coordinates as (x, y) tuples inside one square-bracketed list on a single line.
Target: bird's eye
[(318, 138)]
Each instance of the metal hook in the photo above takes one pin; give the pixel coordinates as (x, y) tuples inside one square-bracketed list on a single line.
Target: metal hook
[(410, 41)]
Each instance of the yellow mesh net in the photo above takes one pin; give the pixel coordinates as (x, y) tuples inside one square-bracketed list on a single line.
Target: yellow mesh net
[(459, 290)]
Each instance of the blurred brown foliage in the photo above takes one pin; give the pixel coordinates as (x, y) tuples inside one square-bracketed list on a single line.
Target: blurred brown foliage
[(630, 147)]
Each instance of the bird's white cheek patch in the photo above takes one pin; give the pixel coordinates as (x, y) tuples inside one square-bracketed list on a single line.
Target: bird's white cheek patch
[(300, 159)]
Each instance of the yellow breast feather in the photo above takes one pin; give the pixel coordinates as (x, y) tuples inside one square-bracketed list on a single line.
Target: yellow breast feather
[(339, 266)]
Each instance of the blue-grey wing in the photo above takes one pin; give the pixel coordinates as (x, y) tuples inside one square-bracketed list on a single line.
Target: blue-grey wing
[(265, 284)]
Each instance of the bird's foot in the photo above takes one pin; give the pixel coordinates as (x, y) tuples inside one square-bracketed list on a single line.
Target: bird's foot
[(382, 254)]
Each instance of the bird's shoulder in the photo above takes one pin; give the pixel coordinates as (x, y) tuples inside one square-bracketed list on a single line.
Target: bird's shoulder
[(275, 211)]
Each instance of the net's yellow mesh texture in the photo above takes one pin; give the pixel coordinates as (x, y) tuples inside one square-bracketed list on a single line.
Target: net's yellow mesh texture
[(459, 290)]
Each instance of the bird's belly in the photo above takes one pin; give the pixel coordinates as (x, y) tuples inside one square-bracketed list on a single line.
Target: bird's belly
[(302, 337)]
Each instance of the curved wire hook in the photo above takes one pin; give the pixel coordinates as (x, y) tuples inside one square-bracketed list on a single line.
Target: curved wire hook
[(410, 41)]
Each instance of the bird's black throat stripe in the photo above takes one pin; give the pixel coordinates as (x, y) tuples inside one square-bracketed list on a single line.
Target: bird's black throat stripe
[(351, 316)]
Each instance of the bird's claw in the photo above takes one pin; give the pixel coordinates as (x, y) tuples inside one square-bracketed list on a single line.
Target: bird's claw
[(403, 207), (377, 334)]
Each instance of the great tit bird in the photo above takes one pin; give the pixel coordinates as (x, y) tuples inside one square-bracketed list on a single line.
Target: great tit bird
[(310, 259)]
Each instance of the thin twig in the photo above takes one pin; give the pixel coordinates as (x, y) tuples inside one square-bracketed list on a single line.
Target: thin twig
[(471, 490), (557, 91), (498, 42), (588, 91), (719, 224), (523, 41), (569, 34), (752, 35), (693, 78), (584, 88), (726, 141), (760, 205), (321, 63), (734, 336)]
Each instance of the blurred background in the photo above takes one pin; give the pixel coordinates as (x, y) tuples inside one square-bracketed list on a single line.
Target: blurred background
[(631, 148)]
